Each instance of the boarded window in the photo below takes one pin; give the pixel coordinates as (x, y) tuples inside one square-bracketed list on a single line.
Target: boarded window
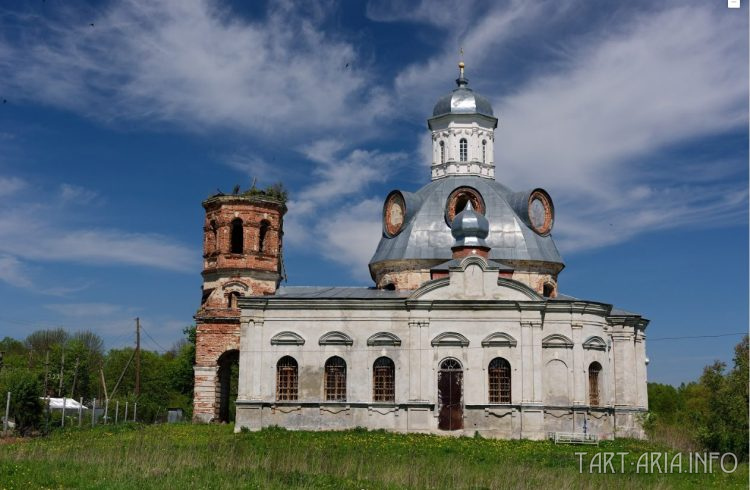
[(286, 379), (262, 234), (383, 380), (594, 369), (237, 237), (463, 149), (499, 377), (335, 379)]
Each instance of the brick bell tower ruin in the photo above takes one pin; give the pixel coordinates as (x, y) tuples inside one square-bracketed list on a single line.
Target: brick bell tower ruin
[(242, 236)]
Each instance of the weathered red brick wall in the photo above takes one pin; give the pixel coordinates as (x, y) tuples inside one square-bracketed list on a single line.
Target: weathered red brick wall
[(255, 271), (217, 244), (213, 339)]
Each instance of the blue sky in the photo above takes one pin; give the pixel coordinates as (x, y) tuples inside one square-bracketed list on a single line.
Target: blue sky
[(119, 118)]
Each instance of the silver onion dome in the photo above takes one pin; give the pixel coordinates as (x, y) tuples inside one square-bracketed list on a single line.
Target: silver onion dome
[(462, 100), (469, 228)]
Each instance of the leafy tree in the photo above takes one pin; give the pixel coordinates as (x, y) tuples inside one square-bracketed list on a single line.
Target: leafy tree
[(725, 427), (25, 405), (713, 410), (182, 375), (44, 340)]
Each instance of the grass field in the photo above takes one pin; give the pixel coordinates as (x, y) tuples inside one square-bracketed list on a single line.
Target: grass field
[(211, 456)]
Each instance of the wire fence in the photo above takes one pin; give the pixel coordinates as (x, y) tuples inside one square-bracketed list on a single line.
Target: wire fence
[(69, 412)]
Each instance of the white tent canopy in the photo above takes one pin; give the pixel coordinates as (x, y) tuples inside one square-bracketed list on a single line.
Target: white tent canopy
[(70, 404)]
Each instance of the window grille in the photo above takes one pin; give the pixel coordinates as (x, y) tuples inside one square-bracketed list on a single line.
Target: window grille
[(335, 379), (286, 379), (383, 380), (450, 365), (463, 149), (499, 377)]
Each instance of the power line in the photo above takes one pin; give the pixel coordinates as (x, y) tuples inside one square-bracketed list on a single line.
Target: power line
[(697, 336), (154, 341)]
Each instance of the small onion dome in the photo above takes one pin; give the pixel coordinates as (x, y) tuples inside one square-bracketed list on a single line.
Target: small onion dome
[(462, 100), (470, 228)]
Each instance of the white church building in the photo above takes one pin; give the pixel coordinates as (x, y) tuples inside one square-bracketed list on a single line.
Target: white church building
[(464, 330)]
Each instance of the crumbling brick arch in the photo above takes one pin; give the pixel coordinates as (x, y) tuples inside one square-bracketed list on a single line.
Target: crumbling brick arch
[(228, 365)]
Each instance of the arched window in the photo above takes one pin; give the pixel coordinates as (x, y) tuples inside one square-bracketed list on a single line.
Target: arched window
[(214, 235), (335, 380), (484, 151), (594, 369), (442, 152), (237, 236), (383, 380), (262, 233), (499, 376), (463, 150), (548, 290), (232, 299), (451, 364), (286, 379)]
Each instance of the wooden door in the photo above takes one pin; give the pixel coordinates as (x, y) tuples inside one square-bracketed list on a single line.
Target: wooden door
[(450, 390)]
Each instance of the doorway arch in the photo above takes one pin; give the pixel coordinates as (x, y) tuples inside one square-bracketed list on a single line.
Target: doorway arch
[(226, 386), (450, 395)]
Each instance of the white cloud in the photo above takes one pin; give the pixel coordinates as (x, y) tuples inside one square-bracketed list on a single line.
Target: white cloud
[(594, 121), (13, 272), (334, 196), (41, 240), (352, 234), (194, 63), (84, 310), (42, 231), (592, 131), (77, 194), (11, 185)]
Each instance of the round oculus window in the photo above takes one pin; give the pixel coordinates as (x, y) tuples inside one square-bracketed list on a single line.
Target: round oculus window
[(541, 212), (394, 214), (458, 199)]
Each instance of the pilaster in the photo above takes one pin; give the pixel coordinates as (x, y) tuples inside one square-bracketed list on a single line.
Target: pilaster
[(579, 371)]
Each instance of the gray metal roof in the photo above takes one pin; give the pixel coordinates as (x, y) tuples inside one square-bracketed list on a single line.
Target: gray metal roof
[(491, 265), (426, 234), (614, 312), (462, 100), (321, 292), (327, 292)]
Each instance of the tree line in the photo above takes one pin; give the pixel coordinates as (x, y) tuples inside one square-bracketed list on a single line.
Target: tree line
[(710, 414), (55, 363)]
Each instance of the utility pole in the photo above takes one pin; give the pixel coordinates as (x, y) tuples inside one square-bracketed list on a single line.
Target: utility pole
[(62, 372), (75, 377), (137, 357), (46, 373)]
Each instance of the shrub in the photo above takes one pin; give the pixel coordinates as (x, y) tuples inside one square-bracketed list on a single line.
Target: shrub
[(26, 408)]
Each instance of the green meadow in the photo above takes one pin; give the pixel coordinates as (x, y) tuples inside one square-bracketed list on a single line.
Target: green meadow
[(212, 456)]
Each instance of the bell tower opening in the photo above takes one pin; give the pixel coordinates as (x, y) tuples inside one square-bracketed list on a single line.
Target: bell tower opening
[(237, 239)]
